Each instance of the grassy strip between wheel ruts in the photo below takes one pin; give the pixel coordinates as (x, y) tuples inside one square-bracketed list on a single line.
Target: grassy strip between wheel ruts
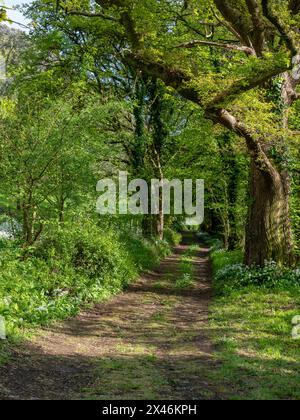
[(187, 268)]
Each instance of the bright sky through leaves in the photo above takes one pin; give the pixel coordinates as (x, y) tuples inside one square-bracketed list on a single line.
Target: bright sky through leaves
[(16, 15)]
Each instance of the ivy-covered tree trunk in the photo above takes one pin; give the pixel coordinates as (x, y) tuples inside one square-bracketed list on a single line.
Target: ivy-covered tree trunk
[(231, 171), (268, 233), (159, 136), (233, 189)]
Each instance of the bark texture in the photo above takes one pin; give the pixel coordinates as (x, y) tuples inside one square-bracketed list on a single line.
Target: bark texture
[(268, 235)]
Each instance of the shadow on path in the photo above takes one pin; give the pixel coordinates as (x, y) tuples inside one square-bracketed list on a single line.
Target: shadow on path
[(151, 342)]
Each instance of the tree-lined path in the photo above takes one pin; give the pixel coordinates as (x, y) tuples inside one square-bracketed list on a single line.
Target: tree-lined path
[(149, 342)]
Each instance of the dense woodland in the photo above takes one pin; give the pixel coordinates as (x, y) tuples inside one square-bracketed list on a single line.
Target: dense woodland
[(183, 89)]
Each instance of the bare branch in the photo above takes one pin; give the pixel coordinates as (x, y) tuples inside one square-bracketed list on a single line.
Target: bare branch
[(18, 23), (189, 26)]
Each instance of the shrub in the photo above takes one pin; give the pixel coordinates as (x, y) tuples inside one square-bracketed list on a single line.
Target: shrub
[(172, 237), (231, 275), (33, 292), (222, 258), (91, 252), (144, 253), (213, 242)]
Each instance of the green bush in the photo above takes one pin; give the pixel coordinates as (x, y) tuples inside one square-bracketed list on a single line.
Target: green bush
[(231, 275), (213, 242), (144, 253), (172, 237), (33, 292), (222, 258)]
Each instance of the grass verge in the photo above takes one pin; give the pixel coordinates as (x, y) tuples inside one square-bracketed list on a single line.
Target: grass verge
[(252, 328)]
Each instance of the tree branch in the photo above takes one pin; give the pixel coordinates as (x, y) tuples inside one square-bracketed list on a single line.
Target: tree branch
[(247, 83), (254, 146), (195, 43), (258, 26), (90, 15), (275, 22), (214, 111), (172, 77), (181, 82), (125, 19), (294, 6), (236, 20)]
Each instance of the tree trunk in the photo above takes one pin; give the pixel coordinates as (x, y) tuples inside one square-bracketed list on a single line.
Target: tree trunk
[(147, 226), (61, 209), (160, 224), (268, 233), (27, 225), (233, 191), (230, 172)]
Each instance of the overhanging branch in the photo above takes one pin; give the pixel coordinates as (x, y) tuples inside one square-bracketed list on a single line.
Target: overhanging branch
[(125, 19), (90, 15), (196, 43), (294, 6), (276, 22), (258, 26), (236, 20), (246, 84), (254, 146)]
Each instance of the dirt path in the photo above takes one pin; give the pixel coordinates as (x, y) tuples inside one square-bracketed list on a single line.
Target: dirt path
[(147, 343)]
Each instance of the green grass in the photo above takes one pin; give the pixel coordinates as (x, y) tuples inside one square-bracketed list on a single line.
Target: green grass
[(221, 259), (186, 277), (137, 378), (252, 330)]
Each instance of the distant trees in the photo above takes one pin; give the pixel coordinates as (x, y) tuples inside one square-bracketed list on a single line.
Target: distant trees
[(43, 162), (12, 43)]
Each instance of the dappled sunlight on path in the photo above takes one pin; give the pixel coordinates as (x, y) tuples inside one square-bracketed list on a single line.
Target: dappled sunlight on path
[(149, 342)]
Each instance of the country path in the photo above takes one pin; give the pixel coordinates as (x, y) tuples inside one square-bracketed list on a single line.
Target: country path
[(150, 342)]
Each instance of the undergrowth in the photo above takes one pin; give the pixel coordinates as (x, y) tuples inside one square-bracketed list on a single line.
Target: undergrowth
[(71, 267), (251, 324)]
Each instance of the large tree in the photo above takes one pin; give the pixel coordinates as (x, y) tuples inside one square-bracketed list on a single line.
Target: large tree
[(226, 56), (267, 35)]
